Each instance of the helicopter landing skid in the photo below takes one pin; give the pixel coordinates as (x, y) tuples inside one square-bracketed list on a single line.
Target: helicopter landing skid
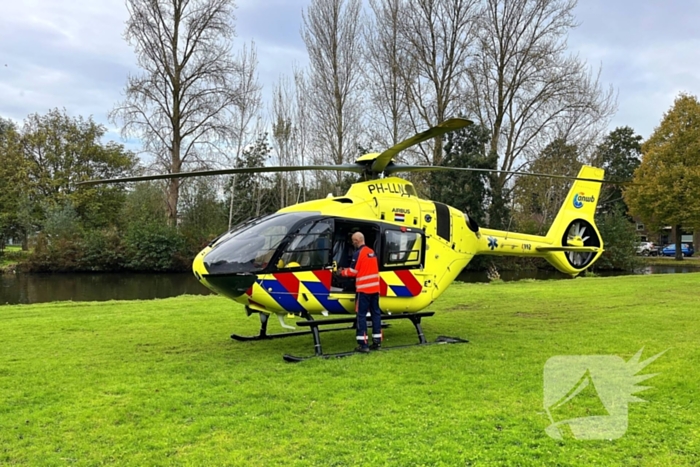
[(439, 340), (415, 318), (263, 335)]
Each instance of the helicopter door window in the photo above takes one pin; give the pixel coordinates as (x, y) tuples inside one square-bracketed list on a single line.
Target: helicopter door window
[(403, 248), (309, 248)]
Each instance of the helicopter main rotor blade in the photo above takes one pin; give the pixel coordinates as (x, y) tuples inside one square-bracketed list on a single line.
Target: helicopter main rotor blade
[(242, 170), (434, 168), (385, 157)]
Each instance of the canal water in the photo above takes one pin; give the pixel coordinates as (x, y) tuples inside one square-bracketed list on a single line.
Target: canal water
[(39, 288)]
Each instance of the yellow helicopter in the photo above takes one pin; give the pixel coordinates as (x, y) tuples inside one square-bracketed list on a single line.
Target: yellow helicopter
[(283, 264)]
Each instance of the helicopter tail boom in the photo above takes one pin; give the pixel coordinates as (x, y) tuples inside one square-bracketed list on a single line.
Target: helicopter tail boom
[(572, 243)]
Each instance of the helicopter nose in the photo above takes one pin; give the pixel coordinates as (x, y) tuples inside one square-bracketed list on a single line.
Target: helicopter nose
[(231, 285), (198, 267)]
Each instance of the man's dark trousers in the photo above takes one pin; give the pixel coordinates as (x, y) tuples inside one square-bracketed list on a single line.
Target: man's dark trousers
[(368, 302)]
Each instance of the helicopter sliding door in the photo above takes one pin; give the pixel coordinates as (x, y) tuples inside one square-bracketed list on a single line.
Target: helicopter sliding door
[(401, 261), (301, 276)]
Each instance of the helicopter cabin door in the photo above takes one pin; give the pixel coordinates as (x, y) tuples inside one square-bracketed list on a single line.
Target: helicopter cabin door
[(342, 288), (305, 266)]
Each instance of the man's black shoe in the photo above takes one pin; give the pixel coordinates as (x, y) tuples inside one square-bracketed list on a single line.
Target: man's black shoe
[(362, 349), (375, 346)]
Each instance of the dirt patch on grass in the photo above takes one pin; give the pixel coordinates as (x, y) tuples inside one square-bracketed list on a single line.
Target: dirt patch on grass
[(546, 316), (458, 308)]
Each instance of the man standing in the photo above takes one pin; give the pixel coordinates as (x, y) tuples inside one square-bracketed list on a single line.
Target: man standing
[(365, 269)]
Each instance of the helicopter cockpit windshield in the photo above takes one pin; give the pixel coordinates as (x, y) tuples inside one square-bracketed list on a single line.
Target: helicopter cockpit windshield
[(251, 249)]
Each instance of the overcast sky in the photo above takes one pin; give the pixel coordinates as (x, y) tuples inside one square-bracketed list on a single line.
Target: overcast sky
[(71, 53)]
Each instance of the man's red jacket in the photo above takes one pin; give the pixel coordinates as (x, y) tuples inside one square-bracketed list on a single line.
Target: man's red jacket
[(365, 269)]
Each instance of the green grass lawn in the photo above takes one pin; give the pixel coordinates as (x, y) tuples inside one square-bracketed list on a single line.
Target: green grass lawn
[(161, 383), (12, 255)]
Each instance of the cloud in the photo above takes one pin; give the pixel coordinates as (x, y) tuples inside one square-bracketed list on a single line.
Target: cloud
[(73, 55), (60, 54), (648, 51)]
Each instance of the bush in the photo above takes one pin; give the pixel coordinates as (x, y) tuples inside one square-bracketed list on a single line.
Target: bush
[(57, 255), (155, 247), (619, 238), (145, 247), (102, 250)]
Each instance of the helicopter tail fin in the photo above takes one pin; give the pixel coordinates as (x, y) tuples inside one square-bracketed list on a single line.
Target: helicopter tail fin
[(574, 238)]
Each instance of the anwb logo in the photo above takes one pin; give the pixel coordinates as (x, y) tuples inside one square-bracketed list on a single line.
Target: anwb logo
[(586, 396), (580, 198)]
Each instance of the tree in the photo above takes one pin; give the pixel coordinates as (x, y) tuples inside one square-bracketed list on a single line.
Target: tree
[(244, 113), (204, 216), (620, 241), (667, 183), (190, 81), (387, 72), (6, 126), (540, 199), (60, 152), (14, 184), (144, 205), (254, 194), (303, 131), (619, 154), (283, 136), (525, 87), (332, 32), (436, 37), (466, 191)]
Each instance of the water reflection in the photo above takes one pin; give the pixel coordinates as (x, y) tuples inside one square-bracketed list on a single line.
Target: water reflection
[(666, 270), (481, 276), (39, 288)]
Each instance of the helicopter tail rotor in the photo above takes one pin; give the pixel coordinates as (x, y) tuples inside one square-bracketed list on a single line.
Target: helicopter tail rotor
[(576, 242)]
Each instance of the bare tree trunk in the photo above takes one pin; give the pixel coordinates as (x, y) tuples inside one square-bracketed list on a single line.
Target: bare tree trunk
[(231, 198), (436, 36), (244, 113), (179, 105), (332, 32), (387, 72), (525, 87), (283, 135), (174, 183), (301, 114)]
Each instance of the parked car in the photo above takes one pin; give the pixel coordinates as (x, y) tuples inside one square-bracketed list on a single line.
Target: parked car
[(647, 249), (670, 250)]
